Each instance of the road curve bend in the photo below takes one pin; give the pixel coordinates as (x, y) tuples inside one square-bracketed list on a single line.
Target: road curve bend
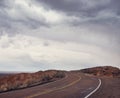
[(74, 85), (94, 89)]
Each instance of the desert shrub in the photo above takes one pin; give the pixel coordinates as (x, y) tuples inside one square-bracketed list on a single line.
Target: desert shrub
[(59, 74), (46, 78), (28, 79)]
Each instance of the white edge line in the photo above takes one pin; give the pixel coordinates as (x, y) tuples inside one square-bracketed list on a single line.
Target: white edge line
[(94, 89)]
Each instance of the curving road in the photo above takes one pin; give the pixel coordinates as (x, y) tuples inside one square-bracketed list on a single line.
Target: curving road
[(74, 85)]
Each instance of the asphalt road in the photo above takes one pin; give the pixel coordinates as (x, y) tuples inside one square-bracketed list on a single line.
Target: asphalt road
[(110, 88), (74, 85)]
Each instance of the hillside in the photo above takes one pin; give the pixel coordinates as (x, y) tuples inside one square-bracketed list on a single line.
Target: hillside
[(108, 71), (23, 80)]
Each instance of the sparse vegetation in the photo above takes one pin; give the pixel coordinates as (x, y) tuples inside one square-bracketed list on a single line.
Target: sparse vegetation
[(59, 74), (28, 79), (108, 71)]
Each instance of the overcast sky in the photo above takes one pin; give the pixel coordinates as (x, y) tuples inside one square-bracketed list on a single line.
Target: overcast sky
[(59, 34)]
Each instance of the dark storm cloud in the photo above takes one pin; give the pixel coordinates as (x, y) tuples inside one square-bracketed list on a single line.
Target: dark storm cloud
[(69, 33), (95, 15), (100, 17), (63, 5), (5, 3), (13, 16), (76, 7), (115, 5), (86, 10)]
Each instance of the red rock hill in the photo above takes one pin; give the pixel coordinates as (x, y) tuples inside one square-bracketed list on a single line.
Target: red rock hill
[(23, 80), (108, 71)]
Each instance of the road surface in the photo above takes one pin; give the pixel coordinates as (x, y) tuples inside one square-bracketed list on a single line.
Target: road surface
[(74, 85)]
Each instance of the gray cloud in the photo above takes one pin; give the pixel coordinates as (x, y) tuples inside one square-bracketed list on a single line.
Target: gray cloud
[(98, 12), (86, 11), (60, 32), (13, 16), (5, 3), (87, 8)]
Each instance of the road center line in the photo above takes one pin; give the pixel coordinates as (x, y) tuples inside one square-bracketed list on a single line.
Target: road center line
[(49, 91), (94, 89)]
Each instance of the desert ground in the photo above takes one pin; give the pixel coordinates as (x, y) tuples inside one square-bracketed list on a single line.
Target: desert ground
[(74, 84)]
